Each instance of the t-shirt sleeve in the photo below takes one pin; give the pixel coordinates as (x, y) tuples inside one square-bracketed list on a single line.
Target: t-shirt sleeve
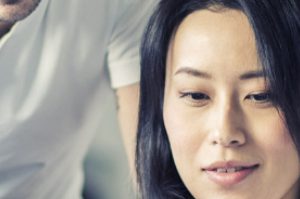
[(123, 49)]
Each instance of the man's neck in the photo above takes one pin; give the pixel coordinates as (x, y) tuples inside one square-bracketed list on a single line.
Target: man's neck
[(4, 28)]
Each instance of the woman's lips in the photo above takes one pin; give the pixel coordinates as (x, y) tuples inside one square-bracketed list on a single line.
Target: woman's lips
[(229, 173)]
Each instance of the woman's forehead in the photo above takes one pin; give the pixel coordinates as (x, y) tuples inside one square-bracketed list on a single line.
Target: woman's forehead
[(210, 38)]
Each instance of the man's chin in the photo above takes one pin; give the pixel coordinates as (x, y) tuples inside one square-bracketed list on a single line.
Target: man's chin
[(12, 11), (9, 2)]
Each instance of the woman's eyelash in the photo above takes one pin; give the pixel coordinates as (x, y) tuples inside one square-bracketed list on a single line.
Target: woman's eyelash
[(200, 98), (194, 95), (260, 97)]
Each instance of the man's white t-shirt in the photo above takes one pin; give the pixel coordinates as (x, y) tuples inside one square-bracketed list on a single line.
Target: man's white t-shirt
[(52, 68)]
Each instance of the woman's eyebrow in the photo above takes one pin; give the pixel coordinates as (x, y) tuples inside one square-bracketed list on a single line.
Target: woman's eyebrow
[(193, 72), (201, 74), (252, 75)]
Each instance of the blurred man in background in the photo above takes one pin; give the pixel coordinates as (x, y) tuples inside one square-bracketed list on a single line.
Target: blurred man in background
[(53, 56)]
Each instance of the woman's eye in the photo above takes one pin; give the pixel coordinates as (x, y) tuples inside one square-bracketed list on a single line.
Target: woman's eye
[(260, 97), (195, 98)]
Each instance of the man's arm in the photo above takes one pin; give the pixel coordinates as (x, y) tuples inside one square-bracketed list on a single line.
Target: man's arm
[(128, 102), (124, 67)]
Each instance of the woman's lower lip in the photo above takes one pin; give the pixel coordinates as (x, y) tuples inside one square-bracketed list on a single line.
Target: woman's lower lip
[(229, 179)]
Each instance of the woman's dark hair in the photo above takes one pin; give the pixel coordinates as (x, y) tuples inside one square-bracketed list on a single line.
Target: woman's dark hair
[(276, 25)]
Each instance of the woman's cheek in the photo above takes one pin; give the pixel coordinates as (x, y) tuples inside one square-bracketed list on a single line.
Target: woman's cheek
[(269, 132), (183, 133)]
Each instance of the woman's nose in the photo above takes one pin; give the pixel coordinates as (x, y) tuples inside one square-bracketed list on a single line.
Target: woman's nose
[(228, 130)]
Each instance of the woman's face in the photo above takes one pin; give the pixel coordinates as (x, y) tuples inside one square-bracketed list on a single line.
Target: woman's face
[(227, 138)]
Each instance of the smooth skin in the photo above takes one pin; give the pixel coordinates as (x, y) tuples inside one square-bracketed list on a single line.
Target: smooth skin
[(217, 107)]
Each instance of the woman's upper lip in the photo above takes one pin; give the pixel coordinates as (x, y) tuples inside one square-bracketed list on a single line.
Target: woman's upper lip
[(229, 164)]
